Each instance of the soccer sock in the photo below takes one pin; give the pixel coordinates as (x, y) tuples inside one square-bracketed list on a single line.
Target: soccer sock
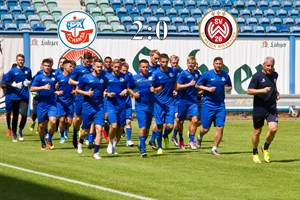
[(96, 148), (90, 137), (115, 143), (62, 134), (175, 132), (143, 143), (43, 141), (214, 148), (180, 137), (128, 133), (255, 151), (192, 138), (50, 138), (75, 132), (153, 136), (46, 131), (266, 145), (159, 139), (20, 132), (81, 140), (166, 133), (8, 119)]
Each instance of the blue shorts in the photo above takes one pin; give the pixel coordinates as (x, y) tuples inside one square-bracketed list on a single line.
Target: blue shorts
[(129, 112), (65, 110), (78, 105), (92, 115), (105, 104), (45, 111), (184, 109), (144, 117), (176, 106), (116, 116), (199, 110), (216, 115), (164, 114), (8, 105)]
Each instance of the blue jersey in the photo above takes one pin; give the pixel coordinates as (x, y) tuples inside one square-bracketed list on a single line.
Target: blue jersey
[(63, 85), (189, 94), (117, 84), (211, 79), (128, 100), (98, 84), (78, 72), (53, 72), (8, 88), (153, 68), (107, 71), (47, 96), (142, 85), (19, 75), (167, 80), (59, 71)]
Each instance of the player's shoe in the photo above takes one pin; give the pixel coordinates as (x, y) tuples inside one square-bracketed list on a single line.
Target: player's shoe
[(8, 132), (109, 149), (153, 145), (21, 139), (62, 140), (199, 142), (214, 152), (256, 159), (181, 145), (91, 145), (175, 141), (43, 147), (129, 143), (79, 147), (143, 154), (166, 143), (50, 145), (266, 155), (159, 151), (192, 145), (115, 151), (96, 156), (14, 137), (31, 129)]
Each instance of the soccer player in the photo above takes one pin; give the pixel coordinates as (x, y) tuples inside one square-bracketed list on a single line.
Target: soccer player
[(129, 143), (107, 64), (60, 69), (142, 87), (77, 73), (164, 101), (92, 87), (213, 83), (188, 103), (19, 78), (65, 99), (44, 85), (263, 87), (116, 104)]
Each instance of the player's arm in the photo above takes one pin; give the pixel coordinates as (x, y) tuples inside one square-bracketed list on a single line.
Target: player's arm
[(86, 93), (205, 88), (183, 86), (252, 91), (39, 88), (136, 95), (73, 82)]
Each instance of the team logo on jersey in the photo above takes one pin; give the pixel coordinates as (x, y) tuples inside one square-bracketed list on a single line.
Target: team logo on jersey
[(223, 78), (121, 79), (150, 78), (218, 29), (263, 80), (77, 30), (26, 72), (196, 75), (53, 79), (170, 74), (101, 81)]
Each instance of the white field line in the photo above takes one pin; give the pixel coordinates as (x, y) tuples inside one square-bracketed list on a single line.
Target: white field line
[(75, 182)]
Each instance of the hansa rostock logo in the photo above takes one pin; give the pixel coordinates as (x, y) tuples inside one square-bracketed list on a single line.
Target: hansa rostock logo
[(218, 29), (77, 30)]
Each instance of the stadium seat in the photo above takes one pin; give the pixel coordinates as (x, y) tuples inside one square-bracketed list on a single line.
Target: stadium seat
[(115, 4), (33, 19), (159, 12), (152, 21), (6, 18), (108, 12), (245, 13), (202, 5), (178, 4), (3, 10), (190, 4), (271, 29), (281, 14), (51, 3), (47, 19), (246, 29), (134, 12), (29, 11), (145, 28), (194, 29), (296, 5), (286, 5), (241, 21), (38, 27), (51, 27), (264, 22), (2, 3), (263, 5), (105, 28), (165, 4), (132, 28), (172, 13), (288, 22), (1, 27), (297, 21), (103, 4), (183, 29), (57, 18), (258, 29), (10, 27), (293, 13), (276, 22), (128, 4), (252, 21), (118, 28), (20, 19), (239, 5), (126, 20), (234, 12), (190, 21), (198, 20), (89, 4), (207, 11), (215, 5), (196, 13), (42, 11), (146, 12), (15, 10), (121, 12), (227, 5), (24, 27), (184, 13), (250, 5), (177, 21), (10, 3), (257, 14), (295, 29), (153, 4), (274, 5), (269, 14), (172, 29), (95, 12), (141, 4), (283, 29), (24, 3), (100, 20), (165, 19), (139, 18), (37, 3), (113, 20)]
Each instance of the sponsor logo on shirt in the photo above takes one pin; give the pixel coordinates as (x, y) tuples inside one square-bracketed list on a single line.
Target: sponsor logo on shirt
[(263, 80), (170, 74), (223, 78)]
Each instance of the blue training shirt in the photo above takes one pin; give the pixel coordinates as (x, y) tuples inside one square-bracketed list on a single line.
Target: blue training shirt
[(63, 85), (8, 88), (78, 72)]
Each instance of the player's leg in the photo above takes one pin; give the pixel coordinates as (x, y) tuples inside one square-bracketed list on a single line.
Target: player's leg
[(219, 123), (24, 109), (143, 121), (176, 121), (88, 116), (193, 113), (16, 107), (61, 114), (77, 119), (99, 123), (8, 109), (160, 120), (33, 114), (169, 121), (112, 117), (42, 123), (206, 122)]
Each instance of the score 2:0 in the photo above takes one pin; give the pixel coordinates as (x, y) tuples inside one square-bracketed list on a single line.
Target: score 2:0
[(157, 30)]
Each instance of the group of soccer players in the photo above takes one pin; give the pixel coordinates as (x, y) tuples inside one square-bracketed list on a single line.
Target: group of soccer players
[(99, 92)]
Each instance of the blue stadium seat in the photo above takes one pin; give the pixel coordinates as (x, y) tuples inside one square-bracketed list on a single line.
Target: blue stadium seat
[(132, 28), (269, 13), (286, 5), (293, 13), (276, 22), (3, 10), (15, 10), (281, 13), (177, 21), (184, 13), (115, 4), (100, 20), (152, 21), (11, 3), (33, 19), (1, 27), (241, 21), (257, 13), (190, 21), (134, 12), (20, 19), (2, 3), (245, 13), (205, 11), (172, 29), (159, 12), (6, 18), (95, 12), (196, 13), (258, 29), (153, 4), (29, 11), (215, 5), (146, 12), (283, 29), (38, 27), (295, 29), (246, 29), (194, 29), (128, 4), (178, 4), (121, 12), (227, 5), (202, 5), (183, 29), (171, 13), (190, 4), (250, 5), (139, 18), (296, 5), (297, 21), (145, 28), (288, 22), (141, 4), (24, 27), (165, 19), (198, 20), (165, 4), (10, 27), (239, 5), (252, 21), (274, 5), (264, 22), (263, 5), (234, 12), (37, 3), (271, 29)]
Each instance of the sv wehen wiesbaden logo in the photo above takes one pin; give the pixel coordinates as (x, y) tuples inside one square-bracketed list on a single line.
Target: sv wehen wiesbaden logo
[(218, 29), (77, 30)]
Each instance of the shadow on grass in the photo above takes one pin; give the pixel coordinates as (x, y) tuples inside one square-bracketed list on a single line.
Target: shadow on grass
[(286, 161), (237, 152), (12, 188)]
